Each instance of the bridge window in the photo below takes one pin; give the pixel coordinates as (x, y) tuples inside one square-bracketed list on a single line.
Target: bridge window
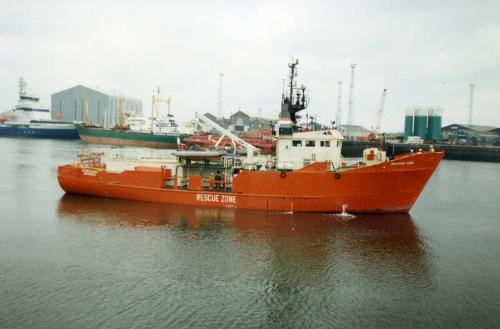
[(285, 130), (297, 143), (310, 143), (324, 143)]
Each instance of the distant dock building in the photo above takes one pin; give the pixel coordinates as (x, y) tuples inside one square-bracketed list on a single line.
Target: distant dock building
[(104, 107), (459, 133), (242, 122)]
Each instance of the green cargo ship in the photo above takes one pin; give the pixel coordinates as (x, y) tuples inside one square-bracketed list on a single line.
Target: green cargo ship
[(95, 135)]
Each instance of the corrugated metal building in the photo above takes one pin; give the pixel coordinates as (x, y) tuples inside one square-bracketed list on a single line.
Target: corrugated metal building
[(103, 107)]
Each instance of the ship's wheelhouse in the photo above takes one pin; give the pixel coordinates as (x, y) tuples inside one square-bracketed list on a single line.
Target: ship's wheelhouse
[(300, 149)]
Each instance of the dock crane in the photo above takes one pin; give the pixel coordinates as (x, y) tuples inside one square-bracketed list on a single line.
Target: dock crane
[(373, 135)]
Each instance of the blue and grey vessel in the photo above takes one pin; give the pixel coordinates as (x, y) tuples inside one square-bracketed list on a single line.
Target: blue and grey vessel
[(29, 119)]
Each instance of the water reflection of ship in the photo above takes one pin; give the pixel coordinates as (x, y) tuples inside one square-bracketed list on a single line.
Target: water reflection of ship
[(135, 213), (279, 260), (287, 267), (311, 240)]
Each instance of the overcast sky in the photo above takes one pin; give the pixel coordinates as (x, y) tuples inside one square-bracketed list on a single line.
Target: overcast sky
[(423, 52)]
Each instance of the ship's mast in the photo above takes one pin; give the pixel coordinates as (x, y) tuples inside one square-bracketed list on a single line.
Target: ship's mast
[(293, 74), (282, 90), (290, 105), (22, 86)]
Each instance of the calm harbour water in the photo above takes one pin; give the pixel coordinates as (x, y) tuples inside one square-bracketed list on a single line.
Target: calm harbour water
[(71, 261)]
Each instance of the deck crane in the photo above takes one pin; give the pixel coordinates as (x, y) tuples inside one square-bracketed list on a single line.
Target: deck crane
[(252, 151), (373, 135)]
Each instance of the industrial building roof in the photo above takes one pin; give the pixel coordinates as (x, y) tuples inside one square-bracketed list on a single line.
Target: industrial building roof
[(97, 90), (82, 86), (478, 128)]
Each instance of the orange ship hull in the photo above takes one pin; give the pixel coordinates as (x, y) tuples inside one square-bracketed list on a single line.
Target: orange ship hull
[(391, 186)]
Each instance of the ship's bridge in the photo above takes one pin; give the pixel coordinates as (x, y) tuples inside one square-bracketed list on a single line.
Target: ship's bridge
[(303, 148)]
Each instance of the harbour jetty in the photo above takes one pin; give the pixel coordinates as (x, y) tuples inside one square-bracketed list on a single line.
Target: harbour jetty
[(354, 149)]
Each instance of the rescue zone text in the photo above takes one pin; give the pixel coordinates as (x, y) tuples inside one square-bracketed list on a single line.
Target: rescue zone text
[(216, 198)]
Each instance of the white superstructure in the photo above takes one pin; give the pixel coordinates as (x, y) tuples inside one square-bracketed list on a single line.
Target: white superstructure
[(28, 107), (303, 148)]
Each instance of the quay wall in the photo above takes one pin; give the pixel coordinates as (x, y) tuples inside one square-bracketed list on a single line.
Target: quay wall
[(354, 149)]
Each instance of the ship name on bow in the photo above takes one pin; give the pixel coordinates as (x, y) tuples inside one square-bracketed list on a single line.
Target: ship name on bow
[(408, 163)]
